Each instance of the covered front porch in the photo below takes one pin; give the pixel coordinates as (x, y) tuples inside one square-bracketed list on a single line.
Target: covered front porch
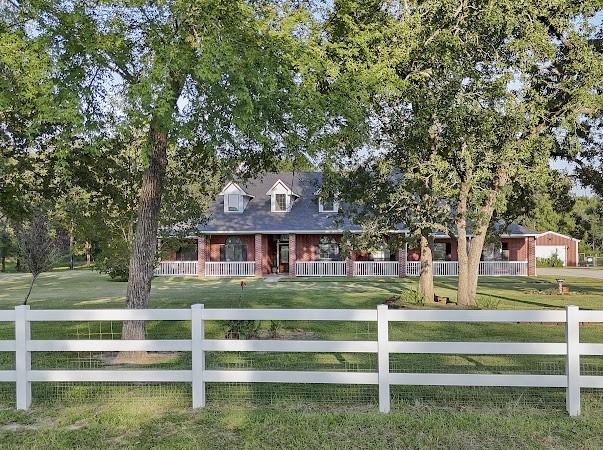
[(320, 255)]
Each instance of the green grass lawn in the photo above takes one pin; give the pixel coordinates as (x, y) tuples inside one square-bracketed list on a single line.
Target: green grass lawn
[(295, 416)]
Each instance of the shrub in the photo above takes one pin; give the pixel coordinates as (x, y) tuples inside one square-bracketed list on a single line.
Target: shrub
[(114, 259), (241, 329), (412, 296), (486, 302), (552, 261)]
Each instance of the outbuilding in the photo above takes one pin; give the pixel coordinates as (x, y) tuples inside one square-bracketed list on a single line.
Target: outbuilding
[(566, 247)]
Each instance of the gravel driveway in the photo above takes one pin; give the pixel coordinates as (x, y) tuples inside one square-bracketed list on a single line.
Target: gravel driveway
[(571, 272)]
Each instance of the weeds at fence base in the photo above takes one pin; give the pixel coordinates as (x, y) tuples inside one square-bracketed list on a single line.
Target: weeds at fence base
[(304, 397)]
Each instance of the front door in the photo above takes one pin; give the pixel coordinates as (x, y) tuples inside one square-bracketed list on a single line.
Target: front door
[(282, 256)]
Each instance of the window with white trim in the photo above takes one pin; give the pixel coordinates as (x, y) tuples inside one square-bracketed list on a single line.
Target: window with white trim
[(325, 205), (280, 202), (328, 249), (233, 202)]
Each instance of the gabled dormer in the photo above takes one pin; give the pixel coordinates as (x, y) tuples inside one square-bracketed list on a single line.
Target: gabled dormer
[(327, 203), (281, 197), (235, 198)]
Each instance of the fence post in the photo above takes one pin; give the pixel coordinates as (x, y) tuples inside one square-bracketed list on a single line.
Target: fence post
[(572, 364), (383, 357), (197, 355), (22, 357)]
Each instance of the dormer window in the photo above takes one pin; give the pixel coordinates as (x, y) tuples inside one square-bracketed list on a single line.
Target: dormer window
[(325, 205), (233, 202), (281, 197), (280, 202), (235, 198)]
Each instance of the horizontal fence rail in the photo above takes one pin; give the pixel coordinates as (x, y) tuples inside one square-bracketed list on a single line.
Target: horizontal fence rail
[(321, 268), (176, 268), (572, 381), (230, 269), (376, 268), (486, 268)]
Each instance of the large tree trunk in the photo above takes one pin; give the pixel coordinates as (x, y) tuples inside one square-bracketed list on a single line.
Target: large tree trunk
[(469, 256), (3, 260), (426, 276), (144, 246)]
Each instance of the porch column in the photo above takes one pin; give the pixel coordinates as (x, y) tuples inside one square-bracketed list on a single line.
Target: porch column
[(292, 255), (531, 256), (201, 255), (402, 256), (259, 256), (350, 264)]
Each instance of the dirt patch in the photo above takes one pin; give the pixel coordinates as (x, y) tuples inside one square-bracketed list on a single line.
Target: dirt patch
[(127, 359), (556, 292), (395, 302)]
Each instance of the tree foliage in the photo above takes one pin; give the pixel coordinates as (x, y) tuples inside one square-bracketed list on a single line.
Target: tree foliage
[(489, 90)]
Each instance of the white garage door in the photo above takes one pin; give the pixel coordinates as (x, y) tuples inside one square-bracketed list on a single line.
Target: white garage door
[(546, 251)]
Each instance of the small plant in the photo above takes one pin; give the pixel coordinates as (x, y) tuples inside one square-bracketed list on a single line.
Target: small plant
[(275, 327), (486, 302), (412, 296), (241, 329)]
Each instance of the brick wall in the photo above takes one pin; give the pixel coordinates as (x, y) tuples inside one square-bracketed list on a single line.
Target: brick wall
[(292, 254), (217, 241), (531, 256), (259, 255), (402, 262), (306, 247), (350, 264), (201, 255), (518, 248)]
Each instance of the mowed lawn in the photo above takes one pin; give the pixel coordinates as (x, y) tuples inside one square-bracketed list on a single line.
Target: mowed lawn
[(301, 416)]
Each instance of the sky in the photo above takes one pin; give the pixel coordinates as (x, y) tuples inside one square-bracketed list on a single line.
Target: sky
[(568, 168)]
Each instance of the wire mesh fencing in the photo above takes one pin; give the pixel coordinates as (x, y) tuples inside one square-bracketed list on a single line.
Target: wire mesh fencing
[(311, 395)]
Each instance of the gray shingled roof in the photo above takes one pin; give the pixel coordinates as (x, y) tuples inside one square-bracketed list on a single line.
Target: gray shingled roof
[(257, 217), (303, 217)]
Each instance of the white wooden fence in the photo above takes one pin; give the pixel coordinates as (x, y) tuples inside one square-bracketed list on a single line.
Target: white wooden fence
[(321, 268), (176, 269), (376, 268), (572, 349), (486, 268), (230, 269)]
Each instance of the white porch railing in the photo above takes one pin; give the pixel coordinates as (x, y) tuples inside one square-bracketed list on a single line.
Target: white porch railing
[(22, 375), (376, 268), (445, 269), (321, 268), (486, 268), (176, 269), (503, 268), (413, 268), (230, 269)]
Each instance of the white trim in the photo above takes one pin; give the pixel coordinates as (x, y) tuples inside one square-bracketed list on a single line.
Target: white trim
[(322, 210), (241, 190), (287, 188), (557, 234)]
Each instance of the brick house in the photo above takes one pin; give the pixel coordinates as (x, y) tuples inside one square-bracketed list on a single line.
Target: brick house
[(279, 224)]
